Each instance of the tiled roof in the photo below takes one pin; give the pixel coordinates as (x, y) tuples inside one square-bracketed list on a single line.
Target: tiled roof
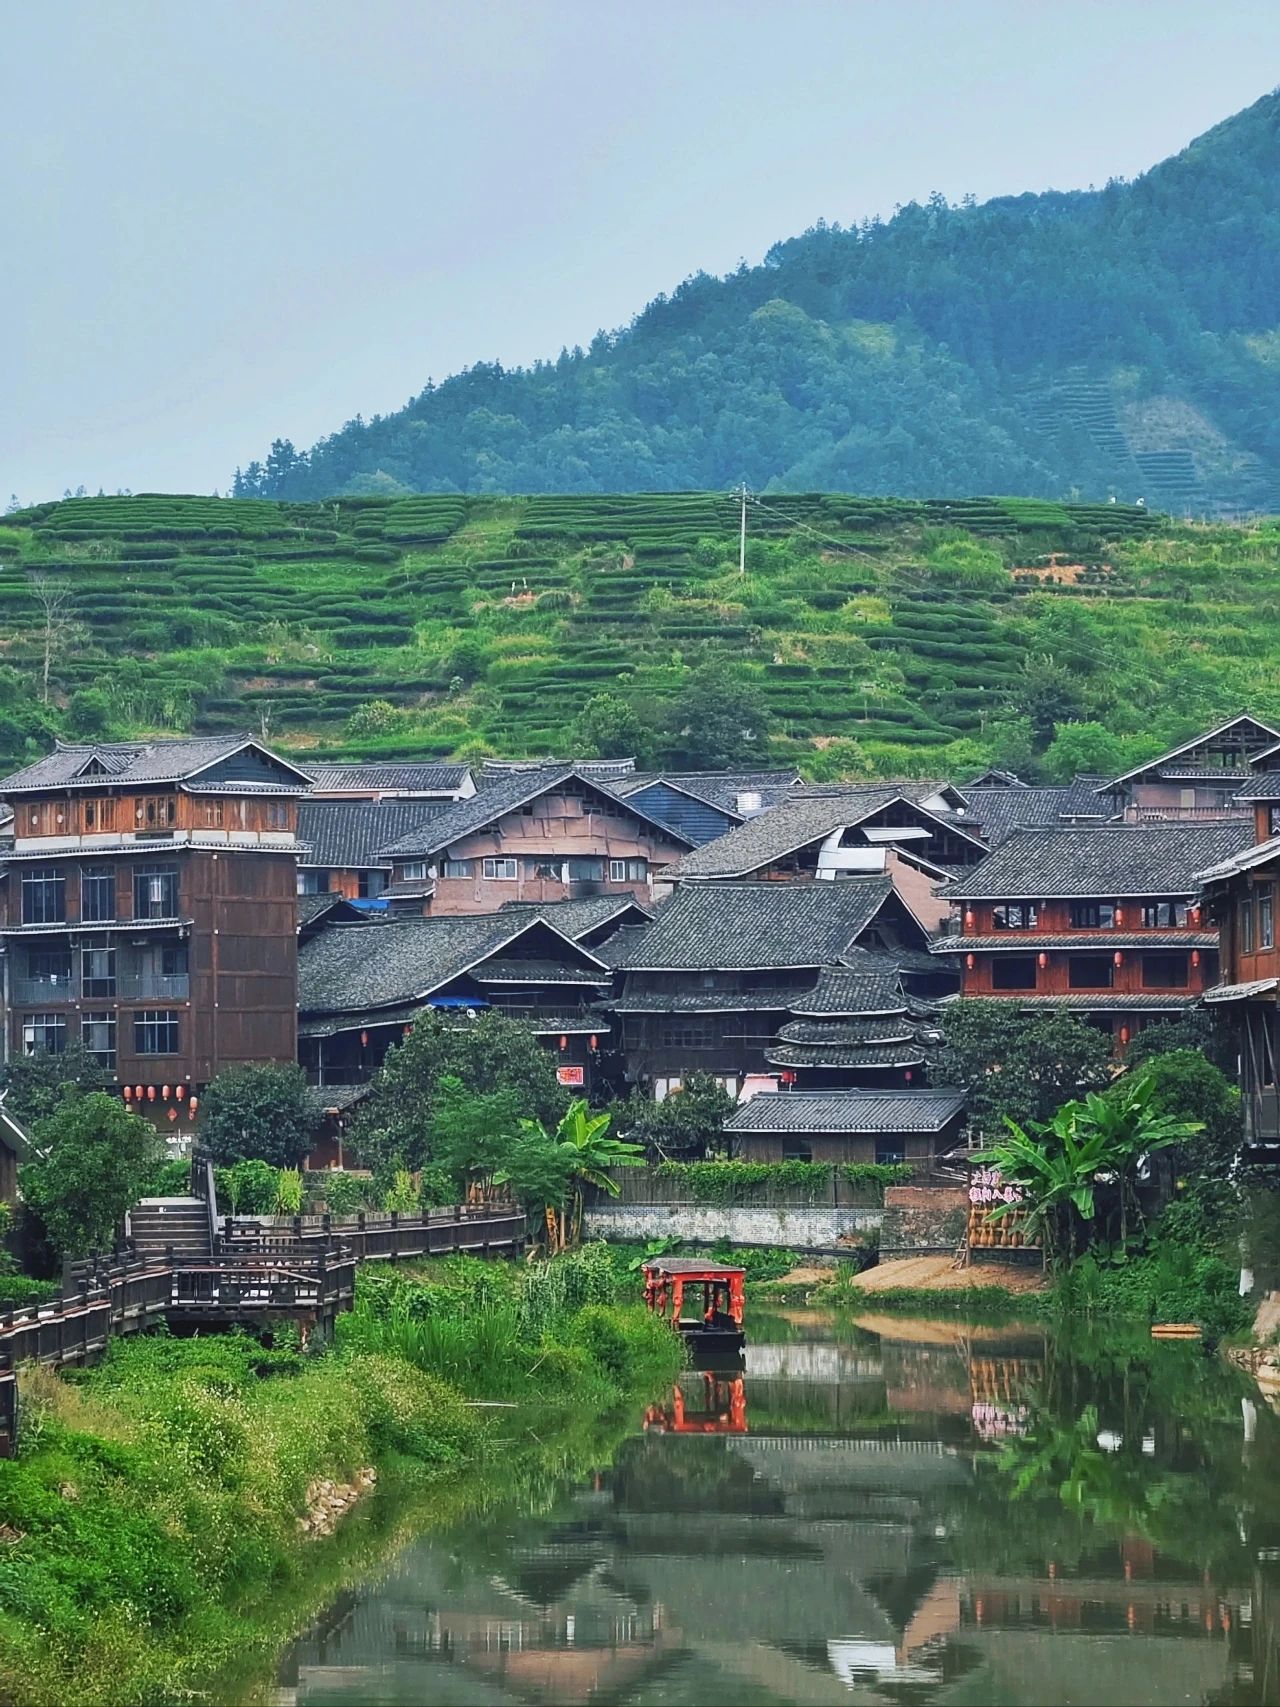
[(599, 770), (701, 1002), (506, 793), (499, 971), (355, 967), (996, 811), (125, 762), (801, 819), (345, 835), (1101, 1003), (847, 1031), (1247, 859), (390, 778), (749, 926), (578, 918), (1260, 785), (847, 1111), (1034, 941), (1112, 861), (845, 1055), (314, 907), (864, 983), (718, 788), (1240, 992), (1241, 721)]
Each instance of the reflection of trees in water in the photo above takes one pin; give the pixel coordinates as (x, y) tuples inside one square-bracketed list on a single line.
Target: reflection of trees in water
[(688, 1473)]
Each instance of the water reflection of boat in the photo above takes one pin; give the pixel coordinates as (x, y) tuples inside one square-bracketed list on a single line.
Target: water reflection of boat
[(716, 1329), (723, 1408)]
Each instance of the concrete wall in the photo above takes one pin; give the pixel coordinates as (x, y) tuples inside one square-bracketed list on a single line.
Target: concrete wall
[(819, 1228)]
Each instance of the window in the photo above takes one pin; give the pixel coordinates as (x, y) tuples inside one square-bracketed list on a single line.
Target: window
[(544, 870), (1266, 918), (51, 966), (890, 1150), (1089, 971), (44, 1031), (155, 892), (501, 870), (585, 870), (796, 1150), (628, 870), (1013, 972), (1166, 971), (98, 969), (370, 884), (413, 870), (44, 896), (1164, 915), (1092, 916), (157, 812), (1014, 916), (211, 811), (155, 1032), (1246, 927), (683, 1034), (98, 815), (98, 894), (451, 868), (98, 1034), (312, 882), (277, 814), (173, 960), (1273, 820)]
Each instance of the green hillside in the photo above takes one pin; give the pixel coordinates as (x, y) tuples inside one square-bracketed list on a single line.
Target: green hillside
[(1122, 341), (931, 635)]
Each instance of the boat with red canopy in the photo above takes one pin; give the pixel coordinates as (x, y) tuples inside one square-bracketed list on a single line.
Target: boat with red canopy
[(716, 1291)]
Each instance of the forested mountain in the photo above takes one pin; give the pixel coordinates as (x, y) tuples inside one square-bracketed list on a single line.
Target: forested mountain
[(1119, 341)]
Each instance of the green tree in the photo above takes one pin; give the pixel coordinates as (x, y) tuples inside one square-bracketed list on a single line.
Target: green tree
[(93, 1159), (89, 714), (1188, 1087), (472, 1132), (1049, 695), (263, 1110), (1018, 1066), (583, 1140), (1082, 749), (686, 1126), (35, 1084), (489, 1054), (720, 719), (608, 728)]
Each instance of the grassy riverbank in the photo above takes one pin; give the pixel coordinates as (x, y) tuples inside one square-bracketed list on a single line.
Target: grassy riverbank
[(149, 1530)]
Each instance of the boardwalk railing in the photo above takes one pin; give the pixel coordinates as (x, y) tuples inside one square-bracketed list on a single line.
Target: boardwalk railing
[(257, 1272)]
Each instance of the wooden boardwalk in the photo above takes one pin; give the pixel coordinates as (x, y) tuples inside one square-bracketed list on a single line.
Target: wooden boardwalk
[(257, 1273)]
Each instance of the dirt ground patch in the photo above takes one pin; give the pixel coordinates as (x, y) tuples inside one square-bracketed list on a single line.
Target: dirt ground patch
[(939, 1274)]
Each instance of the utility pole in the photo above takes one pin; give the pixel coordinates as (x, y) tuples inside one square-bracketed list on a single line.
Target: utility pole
[(742, 534)]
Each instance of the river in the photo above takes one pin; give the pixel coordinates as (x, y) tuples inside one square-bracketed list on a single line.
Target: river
[(886, 1511)]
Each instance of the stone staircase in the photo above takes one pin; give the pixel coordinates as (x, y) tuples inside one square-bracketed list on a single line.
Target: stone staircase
[(183, 1222)]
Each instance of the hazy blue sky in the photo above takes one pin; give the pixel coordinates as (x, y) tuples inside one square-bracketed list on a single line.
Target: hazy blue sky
[(227, 221)]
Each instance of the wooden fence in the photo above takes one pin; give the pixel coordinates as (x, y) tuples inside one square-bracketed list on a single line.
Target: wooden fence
[(257, 1272), (648, 1186)]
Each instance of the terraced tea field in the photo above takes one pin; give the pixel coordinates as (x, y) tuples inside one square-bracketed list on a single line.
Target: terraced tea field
[(435, 624)]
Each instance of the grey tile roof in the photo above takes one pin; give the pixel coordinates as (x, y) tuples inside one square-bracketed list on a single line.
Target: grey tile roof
[(390, 778), (312, 908), (845, 1055), (500, 971), (848, 1031), (599, 770), (995, 812), (1111, 861), (154, 761), (847, 1111), (1033, 941), (799, 820), (701, 1002), (1248, 859), (578, 918), (865, 983), (1260, 785), (1100, 1003), (1252, 732), (357, 967), (747, 926), (718, 788), (507, 793), (345, 835)]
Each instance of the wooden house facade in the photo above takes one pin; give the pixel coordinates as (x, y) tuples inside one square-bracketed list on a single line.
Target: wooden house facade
[(1103, 921), (150, 912), (847, 1126), (857, 1028)]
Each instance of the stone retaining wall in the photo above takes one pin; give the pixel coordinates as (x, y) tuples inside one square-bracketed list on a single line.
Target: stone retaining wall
[(814, 1228), (923, 1220)]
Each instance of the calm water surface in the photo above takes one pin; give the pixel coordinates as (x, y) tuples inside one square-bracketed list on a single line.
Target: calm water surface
[(898, 1512)]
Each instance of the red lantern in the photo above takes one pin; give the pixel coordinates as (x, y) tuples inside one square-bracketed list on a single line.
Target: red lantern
[(907, 1075), (1124, 1034), (1118, 958), (564, 1042), (151, 1093), (194, 1104), (1195, 957), (179, 1091), (968, 918), (364, 1040), (137, 1091), (595, 1041), (788, 1078), (969, 961), (1195, 916), (1119, 915), (128, 1093), (165, 1093), (407, 1030), (1042, 959)]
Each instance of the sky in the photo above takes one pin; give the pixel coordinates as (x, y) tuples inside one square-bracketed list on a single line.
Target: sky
[(235, 220)]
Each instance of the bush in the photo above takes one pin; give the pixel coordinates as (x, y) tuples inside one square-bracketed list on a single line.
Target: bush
[(267, 1111)]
